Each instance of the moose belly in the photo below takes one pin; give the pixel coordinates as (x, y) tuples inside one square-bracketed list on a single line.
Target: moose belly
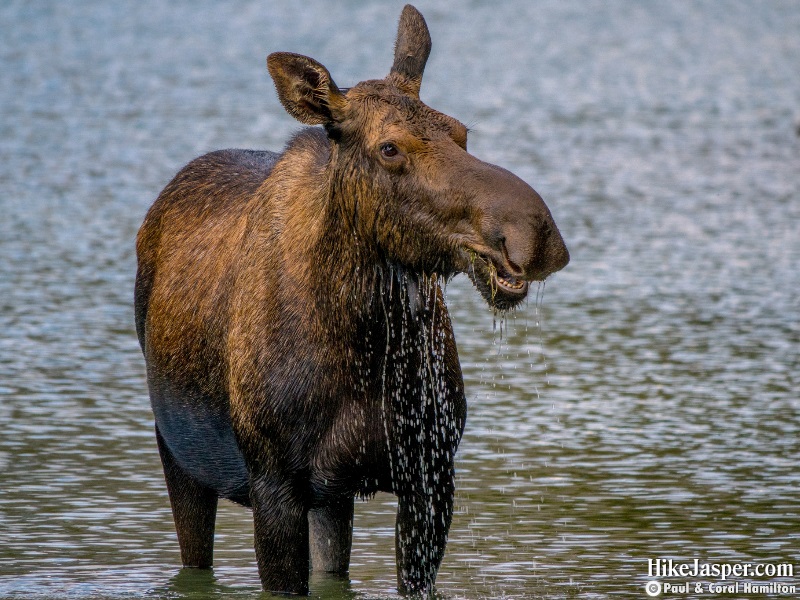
[(199, 435)]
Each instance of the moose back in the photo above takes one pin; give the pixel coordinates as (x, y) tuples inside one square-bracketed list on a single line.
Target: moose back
[(299, 352)]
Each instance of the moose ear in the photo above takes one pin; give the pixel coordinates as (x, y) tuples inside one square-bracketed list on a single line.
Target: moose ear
[(306, 89), (411, 51)]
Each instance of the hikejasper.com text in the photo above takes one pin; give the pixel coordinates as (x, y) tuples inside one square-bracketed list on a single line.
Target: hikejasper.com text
[(666, 568)]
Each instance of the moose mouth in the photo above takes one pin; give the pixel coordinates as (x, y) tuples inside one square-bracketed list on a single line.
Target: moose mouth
[(498, 287)]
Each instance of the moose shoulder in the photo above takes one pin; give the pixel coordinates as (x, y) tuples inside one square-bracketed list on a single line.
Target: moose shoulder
[(299, 352)]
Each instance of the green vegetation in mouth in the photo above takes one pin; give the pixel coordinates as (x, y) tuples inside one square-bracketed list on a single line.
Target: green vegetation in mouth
[(492, 281), (473, 256)]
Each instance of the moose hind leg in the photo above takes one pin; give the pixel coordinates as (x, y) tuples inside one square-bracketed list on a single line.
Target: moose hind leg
[(281, 536), (331, 536), (194, 510)]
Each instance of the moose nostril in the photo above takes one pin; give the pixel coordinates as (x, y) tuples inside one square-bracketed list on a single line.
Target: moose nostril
[(515, 268)]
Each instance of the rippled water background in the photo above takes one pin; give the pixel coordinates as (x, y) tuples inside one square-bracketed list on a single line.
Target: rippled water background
[(648, 409)]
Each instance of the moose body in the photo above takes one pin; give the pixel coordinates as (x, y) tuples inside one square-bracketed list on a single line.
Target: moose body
[(299, 352)]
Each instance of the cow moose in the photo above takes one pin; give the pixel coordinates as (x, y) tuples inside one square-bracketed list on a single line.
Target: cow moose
[(289, 307)]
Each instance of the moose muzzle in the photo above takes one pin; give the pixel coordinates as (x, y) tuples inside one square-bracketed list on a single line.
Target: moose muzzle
[(520, 242)]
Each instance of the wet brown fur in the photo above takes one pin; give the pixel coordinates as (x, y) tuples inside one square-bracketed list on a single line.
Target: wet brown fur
[(298, 348)]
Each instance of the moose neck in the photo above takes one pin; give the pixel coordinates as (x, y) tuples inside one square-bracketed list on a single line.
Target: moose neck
[(360, 277), (336, 263), (361, 286)]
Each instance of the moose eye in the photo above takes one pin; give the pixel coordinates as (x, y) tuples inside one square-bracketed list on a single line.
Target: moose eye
[(389, 150)]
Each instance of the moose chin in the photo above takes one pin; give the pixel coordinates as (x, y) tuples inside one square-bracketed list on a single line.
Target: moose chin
[(288, 304)]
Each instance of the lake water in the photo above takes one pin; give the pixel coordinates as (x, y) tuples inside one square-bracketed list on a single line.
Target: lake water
[(646, 408)]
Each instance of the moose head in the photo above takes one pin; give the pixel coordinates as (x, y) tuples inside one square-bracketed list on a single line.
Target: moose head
[(404, 177)]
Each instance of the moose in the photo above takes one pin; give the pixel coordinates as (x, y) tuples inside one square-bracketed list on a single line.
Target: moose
[(289, 307)]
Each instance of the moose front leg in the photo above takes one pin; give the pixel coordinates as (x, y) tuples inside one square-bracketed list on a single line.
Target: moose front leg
[(424, 515), (331, 536)]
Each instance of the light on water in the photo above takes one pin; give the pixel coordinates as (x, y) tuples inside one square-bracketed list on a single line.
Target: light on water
[(646, 408)]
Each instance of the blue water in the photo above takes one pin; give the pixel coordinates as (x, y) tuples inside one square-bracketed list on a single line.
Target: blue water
[(646, 408)]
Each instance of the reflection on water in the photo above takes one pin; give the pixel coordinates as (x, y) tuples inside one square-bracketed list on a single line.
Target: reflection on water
[(648, 408)]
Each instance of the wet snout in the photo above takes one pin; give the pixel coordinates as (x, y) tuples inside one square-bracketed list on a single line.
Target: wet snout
[(517, 225)]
